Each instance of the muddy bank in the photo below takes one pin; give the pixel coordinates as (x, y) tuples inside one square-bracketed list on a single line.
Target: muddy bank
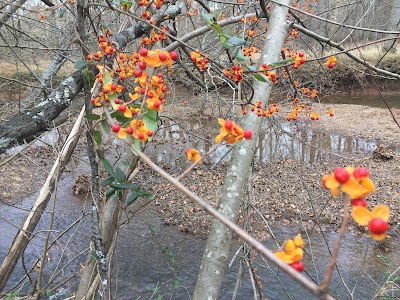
[(284, 191)]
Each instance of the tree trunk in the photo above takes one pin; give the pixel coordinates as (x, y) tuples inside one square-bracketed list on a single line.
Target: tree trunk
[(219, 239), (24, 235), (39, 119), (25, 127), (9, 12)]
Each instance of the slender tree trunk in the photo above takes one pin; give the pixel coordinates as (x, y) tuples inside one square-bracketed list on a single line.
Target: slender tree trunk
[(24, 235), (38, 119), (9, 11), (219, 239)]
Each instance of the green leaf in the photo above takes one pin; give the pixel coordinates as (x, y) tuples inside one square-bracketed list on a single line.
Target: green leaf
[(137, 143), (236, 41), (107, 79), (260, 77), (145, 194), (227, 45), (105, 126), (282, 62), (124, 186), (80, 64), (209, 18), (56, 30), (126, 5), (92, 117), (89, 76), (120, 175), (61, 12), (177, 283), (121, 118), (97, 137), (108, 167), (107, 181), (132, 198), (150, 120), (251, 68), (112, 98), (152, 228), (110, 192), (100, 153), (239, 55)]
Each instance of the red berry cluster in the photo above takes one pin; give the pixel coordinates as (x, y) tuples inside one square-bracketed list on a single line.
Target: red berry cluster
[(199, 60), (235, 73)]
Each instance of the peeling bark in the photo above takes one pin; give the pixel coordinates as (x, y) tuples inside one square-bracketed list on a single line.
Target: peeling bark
[(38, 119), (219, 239)]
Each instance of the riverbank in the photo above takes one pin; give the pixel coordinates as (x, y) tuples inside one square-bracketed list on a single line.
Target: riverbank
[(286, 191)]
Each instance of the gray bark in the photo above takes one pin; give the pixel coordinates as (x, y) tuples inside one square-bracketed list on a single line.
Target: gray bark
[(38, 119), (219, 239), (9, 11), (18, 129), (24, 235)]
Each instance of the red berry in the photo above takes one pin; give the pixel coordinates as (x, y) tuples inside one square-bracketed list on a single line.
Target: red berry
[(117, 101), (164, 89), (301, 54), (298, 266), (330, 66), (359, 202), (228, 124), (93, 100), (247, 134), (143, 91), (122, 108), (302, 61), (162, 56), (115, 128), (142, 65), (150, 133), (105, 91), (341, 175), (138, 73), (378, 226), (188, 150), (360, 172), (159, 75), (157, 104), (129, 130), (295, 66), (141, 135), (113, 86), (173, 55)]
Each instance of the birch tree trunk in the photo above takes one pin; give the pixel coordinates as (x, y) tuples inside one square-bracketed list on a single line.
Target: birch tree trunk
[(219, 239)]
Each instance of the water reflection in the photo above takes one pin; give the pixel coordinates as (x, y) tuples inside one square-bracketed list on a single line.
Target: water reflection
[(277, 141), (371, 100)]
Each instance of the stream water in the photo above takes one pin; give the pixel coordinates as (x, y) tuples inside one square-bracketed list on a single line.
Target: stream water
[(164, 262)]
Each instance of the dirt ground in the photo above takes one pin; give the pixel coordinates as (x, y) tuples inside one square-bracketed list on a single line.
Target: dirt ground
[(283, 192)]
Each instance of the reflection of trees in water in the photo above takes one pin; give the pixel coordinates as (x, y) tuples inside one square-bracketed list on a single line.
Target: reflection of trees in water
[(276, 142)]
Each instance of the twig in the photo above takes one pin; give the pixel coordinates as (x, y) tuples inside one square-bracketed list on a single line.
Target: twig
[(345, 221), (308, 284)]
